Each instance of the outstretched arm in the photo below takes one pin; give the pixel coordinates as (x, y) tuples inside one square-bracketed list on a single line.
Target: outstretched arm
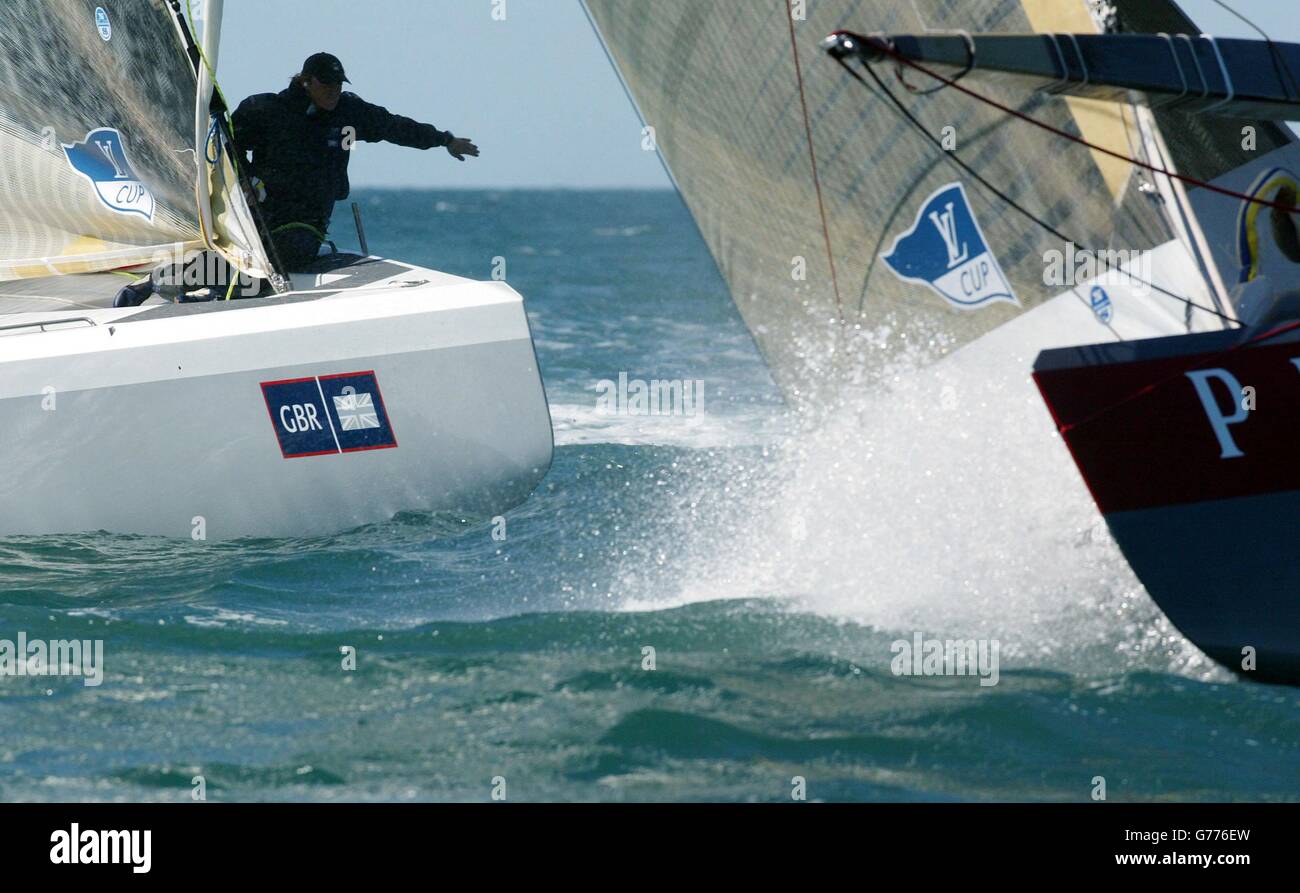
[(459, 148), (377, 124)]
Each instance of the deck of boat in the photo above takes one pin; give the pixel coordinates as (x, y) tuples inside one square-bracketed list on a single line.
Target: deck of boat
[(59, 301)]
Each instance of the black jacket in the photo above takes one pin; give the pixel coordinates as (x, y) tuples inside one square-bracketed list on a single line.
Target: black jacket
[(298, 150)]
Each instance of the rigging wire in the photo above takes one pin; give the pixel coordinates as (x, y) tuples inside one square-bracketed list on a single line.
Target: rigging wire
[(1215, 359), (1002, 195), (889, 50), (1261, 338), (812, 156), (966, 69)]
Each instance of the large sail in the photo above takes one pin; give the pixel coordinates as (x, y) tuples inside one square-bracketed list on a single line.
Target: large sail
[(97, 154), (811, 191)]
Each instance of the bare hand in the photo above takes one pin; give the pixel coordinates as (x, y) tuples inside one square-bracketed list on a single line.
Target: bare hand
[(459, 148)]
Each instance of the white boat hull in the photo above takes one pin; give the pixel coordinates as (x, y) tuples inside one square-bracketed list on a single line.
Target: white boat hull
[(169, 420)]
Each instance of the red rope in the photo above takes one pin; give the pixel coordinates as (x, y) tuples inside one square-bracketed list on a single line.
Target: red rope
[(812, 154), (884, 46), (1214, 359)]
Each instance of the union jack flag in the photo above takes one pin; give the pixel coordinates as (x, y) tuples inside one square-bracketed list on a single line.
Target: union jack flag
[(356, 412)]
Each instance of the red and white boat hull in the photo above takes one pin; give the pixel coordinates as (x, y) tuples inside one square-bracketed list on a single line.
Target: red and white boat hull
[(1190, 446)]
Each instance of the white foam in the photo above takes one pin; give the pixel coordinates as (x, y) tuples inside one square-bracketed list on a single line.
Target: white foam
[(585, 424), (221, 618), (945, 503)]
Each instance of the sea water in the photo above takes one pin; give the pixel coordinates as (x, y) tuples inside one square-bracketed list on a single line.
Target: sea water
[(719, 603)]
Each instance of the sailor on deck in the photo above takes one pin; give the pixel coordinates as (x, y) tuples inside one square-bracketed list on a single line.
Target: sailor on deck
[(296, 145), (300, 140)]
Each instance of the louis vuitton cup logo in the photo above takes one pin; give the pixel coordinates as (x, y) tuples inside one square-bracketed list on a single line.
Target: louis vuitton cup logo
[(101, 159), (946, 224), (946, 251)]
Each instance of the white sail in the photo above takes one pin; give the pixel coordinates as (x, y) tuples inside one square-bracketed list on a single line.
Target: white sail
[(812, 192), (108, 159), (96, 148)]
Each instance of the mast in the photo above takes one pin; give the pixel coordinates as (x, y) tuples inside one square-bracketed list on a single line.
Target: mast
[(209, 43), (1182, 216), (237, 229)]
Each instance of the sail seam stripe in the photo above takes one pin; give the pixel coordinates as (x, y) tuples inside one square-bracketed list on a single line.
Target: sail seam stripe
[(812, 155)]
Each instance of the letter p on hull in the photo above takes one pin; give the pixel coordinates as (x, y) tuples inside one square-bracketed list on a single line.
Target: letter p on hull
[(1218, 421)]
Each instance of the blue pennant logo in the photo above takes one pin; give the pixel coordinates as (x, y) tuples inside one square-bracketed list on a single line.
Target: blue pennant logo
[(946, 250), (101, 159)]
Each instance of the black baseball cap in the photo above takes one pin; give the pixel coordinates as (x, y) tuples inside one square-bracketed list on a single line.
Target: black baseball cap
[(326, 68)]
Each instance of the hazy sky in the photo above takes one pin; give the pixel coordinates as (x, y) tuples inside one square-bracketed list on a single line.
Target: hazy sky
[(535, 90)]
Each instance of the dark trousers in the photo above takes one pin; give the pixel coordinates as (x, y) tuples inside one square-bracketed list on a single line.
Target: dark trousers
[(296, 247), (297, 244)]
